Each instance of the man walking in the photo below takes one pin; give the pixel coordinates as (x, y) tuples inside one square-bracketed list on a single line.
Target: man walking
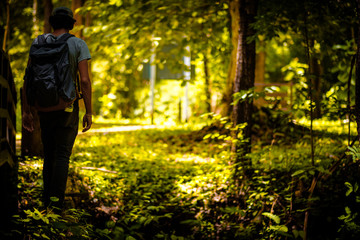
[(59, 127)]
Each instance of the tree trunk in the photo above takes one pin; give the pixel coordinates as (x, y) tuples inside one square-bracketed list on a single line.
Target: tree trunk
[(260, 63), (79, 19), (315, 74), (207, 84), (357, 84), (87, 22), (8, 160), (7, 27), (227, 95), (48, 7), (35, 18), (260, 71), (244, 80), (31, 144)]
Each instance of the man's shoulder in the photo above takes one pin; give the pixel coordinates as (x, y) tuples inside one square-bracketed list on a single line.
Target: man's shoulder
[(77, 43), (78, 48), (76, 40)]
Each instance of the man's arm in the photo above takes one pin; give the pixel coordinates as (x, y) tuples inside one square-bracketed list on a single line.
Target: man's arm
[(86, 89)]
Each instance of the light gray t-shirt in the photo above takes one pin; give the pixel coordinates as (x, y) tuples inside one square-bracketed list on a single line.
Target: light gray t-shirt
[(78, 50)]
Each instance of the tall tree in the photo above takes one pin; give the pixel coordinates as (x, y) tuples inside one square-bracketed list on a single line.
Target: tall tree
[(260, 70), (234, 7), (7, 26), (357, 86), (36, 27), (75, 4), (31, 144), (316, 72), (260, 63), (207, 83), (244, 81), (48, 7)]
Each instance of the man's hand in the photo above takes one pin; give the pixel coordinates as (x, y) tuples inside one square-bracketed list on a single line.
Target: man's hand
[(28, 121), (87, 121)]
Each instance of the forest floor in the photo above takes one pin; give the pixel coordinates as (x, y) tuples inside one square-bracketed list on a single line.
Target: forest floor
[(147, 182)]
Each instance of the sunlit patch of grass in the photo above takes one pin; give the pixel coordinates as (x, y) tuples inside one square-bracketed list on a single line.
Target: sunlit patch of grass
[(149, 168), (101, 122), (194, 158), (340, 126), (298, 154)]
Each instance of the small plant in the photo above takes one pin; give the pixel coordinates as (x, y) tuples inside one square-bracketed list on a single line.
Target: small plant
[(354, 152), (350, 226), (47, 224)]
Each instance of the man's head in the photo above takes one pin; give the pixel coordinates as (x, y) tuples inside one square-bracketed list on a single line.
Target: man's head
[(62, 17)]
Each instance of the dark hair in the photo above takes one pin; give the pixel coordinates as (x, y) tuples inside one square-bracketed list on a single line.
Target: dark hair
[(61, 21)]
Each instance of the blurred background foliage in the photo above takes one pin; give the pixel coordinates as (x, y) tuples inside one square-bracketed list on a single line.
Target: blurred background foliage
[(122, 35)]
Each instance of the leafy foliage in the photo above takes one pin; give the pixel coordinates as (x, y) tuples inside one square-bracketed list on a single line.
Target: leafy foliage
[(123, 35), (139, 28), (177, 184)]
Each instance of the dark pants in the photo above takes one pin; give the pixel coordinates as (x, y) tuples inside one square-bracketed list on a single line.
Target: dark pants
[(58, 133)]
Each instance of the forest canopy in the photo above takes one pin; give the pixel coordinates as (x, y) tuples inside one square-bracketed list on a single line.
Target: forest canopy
[(122, 35)]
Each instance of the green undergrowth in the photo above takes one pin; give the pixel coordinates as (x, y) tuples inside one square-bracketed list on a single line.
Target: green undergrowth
[(178, 184)]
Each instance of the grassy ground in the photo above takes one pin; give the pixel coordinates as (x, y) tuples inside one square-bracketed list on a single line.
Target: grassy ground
[(169, 183)]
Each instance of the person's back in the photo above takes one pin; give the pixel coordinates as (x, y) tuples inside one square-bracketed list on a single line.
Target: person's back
[(59, 128), (50, 77)]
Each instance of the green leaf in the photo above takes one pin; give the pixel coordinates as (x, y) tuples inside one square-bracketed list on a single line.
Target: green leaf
[(54, 199), (273, 217), (280, 228), (350, 188), (207, 136), (44, 236), (298, 172), (142, 220), (356, 187), (347, 210), (130, 238)]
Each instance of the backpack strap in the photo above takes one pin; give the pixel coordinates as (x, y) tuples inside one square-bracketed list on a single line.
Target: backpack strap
[(41, 39), (64, 37)]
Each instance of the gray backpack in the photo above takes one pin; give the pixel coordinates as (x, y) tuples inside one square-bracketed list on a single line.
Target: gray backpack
[(49, 81)]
